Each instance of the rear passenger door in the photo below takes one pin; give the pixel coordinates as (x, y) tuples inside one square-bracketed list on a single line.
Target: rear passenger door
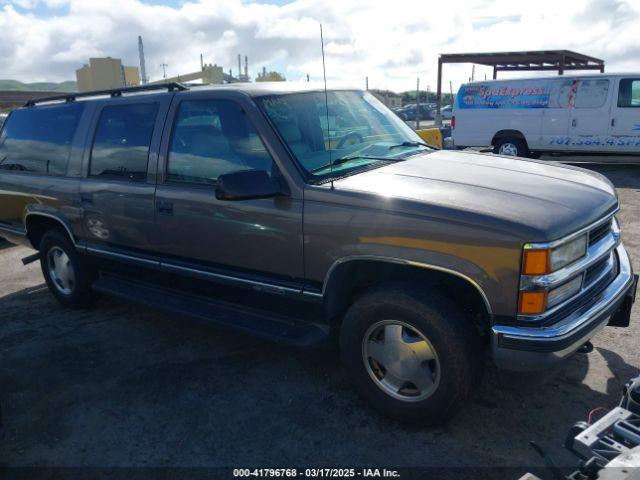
[(117, 197), (258, 239)]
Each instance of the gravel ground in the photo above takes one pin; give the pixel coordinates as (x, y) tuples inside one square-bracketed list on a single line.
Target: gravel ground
[(127, 386)]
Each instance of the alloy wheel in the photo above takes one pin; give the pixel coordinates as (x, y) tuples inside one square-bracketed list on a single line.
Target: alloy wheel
[(400, 360), (61, 270), (508, 149)]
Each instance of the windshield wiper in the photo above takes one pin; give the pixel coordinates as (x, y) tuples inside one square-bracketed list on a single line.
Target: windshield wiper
[(348, 158), (411, 144)]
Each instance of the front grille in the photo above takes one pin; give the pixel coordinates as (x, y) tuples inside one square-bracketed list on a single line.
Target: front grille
[(599, 232), (589, 291), (596, 270)]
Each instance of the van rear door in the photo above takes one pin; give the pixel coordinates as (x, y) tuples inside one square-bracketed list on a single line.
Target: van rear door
[(589, 105), (625, 116)]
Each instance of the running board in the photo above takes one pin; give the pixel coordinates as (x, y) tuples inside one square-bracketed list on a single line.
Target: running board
[(31, 258), (256, 322)]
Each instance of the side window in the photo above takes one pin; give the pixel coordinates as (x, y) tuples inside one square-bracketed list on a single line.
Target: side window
[(211, 138), (38, 139), (121, 143), (592, 93), (562, 92), (629, 93)]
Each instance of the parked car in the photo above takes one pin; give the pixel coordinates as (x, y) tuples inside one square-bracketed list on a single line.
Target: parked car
[(225, 203), (446, 112), (408, 113), (587, 114)]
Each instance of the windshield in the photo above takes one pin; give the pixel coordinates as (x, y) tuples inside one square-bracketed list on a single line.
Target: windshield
[(358, 132)]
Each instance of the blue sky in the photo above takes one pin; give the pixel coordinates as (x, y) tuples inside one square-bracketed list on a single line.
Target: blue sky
[(392, 43)]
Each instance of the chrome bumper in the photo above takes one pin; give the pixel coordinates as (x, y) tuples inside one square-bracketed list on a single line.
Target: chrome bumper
[(522, 348)]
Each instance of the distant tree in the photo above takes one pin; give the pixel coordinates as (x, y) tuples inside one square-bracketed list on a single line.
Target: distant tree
[(425, 97)]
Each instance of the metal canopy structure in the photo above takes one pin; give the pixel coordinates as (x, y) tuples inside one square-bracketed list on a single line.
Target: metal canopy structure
[(540, 60)]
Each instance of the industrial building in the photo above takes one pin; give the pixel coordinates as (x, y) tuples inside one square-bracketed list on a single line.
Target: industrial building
[(389, 98), (209, 74), (106, 73)]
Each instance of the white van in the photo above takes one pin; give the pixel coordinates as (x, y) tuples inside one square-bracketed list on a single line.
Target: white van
[(526, 117)]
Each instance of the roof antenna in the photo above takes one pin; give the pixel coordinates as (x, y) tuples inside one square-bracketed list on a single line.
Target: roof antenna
[(326, 106)]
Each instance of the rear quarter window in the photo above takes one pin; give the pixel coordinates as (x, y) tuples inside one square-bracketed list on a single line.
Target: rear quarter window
[(38, 139)]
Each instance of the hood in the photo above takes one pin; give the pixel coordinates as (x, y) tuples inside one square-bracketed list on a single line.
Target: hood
[(547, 201)]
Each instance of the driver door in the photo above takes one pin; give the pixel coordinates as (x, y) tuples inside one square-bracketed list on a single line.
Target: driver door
[(257, 238)]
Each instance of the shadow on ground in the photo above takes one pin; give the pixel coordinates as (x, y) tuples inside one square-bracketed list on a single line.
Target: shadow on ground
[(4, 244), (621, 175), (127, 385)]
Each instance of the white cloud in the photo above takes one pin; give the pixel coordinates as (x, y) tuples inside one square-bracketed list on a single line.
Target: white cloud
[(390, 42)]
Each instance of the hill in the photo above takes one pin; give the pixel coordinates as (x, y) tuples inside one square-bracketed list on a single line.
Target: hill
[(15, 85)]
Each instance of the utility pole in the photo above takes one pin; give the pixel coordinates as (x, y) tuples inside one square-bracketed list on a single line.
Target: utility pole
[(164, 70), (366, 83), (451, 91), (418, 103), (201, 63), (143, 68)]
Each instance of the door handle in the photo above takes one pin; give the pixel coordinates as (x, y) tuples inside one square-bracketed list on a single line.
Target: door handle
[(574, 122), (613, 122), (86, 199), (164, 207)]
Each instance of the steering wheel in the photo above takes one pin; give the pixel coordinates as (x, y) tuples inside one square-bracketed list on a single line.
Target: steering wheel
[(350, 139)]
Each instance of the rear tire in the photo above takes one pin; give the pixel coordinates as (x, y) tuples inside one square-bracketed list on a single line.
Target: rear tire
[(428, 357), (513, 147), (66, 273)]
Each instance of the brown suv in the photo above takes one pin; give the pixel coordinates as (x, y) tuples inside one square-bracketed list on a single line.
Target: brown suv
[(291, 215)]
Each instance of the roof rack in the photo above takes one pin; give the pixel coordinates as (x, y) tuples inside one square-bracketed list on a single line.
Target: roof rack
[(115, 92)]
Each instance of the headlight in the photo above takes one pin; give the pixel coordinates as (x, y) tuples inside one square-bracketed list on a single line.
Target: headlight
[(542, 262), (568, 253), (564, 291)]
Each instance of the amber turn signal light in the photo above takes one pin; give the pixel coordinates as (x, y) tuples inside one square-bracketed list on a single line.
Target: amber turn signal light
[(535, 262), (532, 303)]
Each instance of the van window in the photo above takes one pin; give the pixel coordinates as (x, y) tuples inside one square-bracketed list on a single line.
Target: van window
[(122, 140), (592, 93), (629, 93), (38, 139), (211, 138)]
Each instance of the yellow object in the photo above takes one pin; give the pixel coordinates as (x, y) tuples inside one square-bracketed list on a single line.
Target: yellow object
[(432, 136), (532, 303), (106, 73), (535, 262)]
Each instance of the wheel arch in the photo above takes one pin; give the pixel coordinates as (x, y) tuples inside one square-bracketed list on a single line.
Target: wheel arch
[(508, 133), (348, 277), (38, 223)]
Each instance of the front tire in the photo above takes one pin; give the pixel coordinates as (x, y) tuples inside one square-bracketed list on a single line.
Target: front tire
[(66, 273), (411, 353), (512, 147)]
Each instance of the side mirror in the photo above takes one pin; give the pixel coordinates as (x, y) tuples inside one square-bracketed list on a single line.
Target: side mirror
[(246, 185)]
